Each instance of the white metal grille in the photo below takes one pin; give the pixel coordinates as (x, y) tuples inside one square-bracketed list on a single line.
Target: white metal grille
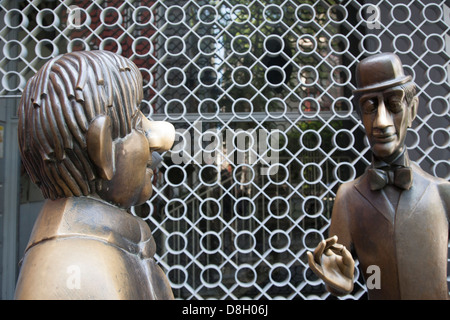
[(260, 94)]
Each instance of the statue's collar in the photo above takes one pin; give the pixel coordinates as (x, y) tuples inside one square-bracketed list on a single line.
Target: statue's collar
[(401, 161)]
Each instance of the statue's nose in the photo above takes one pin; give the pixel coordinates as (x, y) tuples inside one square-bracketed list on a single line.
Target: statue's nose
[(160, 134), (383, 118)]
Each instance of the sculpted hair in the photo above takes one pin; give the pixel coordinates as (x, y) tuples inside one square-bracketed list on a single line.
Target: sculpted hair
[(410, 92), (57, 106)]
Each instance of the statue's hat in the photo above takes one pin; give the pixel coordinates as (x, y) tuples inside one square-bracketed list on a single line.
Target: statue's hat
[(379, 72)]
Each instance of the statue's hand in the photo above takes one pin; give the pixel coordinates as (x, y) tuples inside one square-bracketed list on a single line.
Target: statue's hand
[(334, 264)]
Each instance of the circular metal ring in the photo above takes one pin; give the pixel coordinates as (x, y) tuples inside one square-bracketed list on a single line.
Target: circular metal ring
[(201, 79), (307, 202), (47, 12), (348, 134), (406, 46), (251, 170), (204, 276), (308, 41), (14, 50), (141, 41), (108, 41), (269, 140), (433, 70), (201, 45), (13, 81), (205, 236), (15, 19), (141, 10), (307, 135), (375, 43), (267, 14), (205, 114), (312, 165), (169, 104), (312, 102), (246, 15), (169, 45), (272, 173), (178, 269), (278, 234), (276, 200), (347, 102), (278, 266), (304, 80), (251, 244), (202, 212), (169, 214), (432, 7), (169, 75), (244, 83), (174, 167), (400, 7), (108, 12), (237, 43), (308, 8), (273, 45), (206, 167), (238, 212), (273, 114), (352, 175), (244, 114), (170, 12), (175, 250), (202, 10), (252, 281)]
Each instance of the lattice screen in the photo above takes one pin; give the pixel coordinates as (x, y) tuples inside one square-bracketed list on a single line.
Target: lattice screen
[(260, 94)]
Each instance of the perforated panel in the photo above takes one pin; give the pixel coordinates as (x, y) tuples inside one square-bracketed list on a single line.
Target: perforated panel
[(261, 95)]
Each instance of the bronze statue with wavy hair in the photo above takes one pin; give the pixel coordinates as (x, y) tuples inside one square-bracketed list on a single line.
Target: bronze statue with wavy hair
[(85, 143)]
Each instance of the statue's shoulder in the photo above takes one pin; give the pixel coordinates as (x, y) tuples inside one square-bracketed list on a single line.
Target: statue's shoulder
[(348, 187), (442, 183), (442, 186), (88, 218), (348, 193)]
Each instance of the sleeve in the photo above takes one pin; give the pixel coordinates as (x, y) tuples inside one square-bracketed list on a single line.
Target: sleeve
[(340, 216), (444, 191)]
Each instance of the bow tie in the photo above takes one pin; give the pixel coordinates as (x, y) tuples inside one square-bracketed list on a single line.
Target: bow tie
[(400, 177)]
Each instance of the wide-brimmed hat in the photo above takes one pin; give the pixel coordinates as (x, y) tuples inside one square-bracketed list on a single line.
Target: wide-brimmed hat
[(379, 72)]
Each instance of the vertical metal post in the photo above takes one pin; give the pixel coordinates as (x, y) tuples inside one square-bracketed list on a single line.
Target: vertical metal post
[(11, 203)]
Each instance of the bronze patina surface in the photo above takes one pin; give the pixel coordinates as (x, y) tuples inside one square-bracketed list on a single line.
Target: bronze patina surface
[(86, 144), (395, 216)]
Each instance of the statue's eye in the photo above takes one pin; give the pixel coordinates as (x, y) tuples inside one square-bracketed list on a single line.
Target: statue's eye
[(369, 106), (395, 104)]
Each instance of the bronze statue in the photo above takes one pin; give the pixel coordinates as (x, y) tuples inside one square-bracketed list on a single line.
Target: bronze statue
[(86, 144), (395, 217)]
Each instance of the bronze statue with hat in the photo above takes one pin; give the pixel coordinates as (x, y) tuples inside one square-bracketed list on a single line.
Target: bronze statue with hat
[(395, 217), (86, 144)]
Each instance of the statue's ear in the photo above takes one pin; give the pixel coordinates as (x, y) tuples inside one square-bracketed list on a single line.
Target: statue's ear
[(413, 110), (100, 146)]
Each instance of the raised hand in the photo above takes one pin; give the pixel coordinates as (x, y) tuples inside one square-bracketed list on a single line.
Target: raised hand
[(334, 264)]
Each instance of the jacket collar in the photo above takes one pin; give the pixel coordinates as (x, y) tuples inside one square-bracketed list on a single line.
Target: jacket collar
[(408, 198), (401, 161)]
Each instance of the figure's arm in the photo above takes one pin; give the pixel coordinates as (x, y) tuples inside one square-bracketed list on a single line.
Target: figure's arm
[(444, 190), (331, 261)]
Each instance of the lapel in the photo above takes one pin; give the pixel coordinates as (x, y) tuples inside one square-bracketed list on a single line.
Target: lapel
[(377, 199), (408, 198)]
